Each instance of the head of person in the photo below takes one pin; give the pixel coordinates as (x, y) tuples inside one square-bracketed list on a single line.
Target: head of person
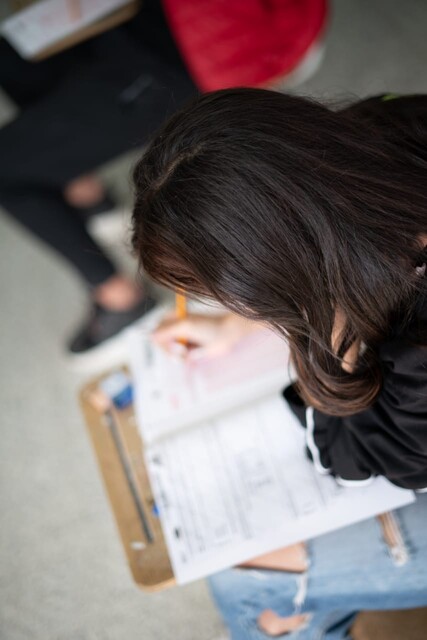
[(288, 213)]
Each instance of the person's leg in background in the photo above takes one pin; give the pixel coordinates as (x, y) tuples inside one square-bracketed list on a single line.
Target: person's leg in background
[(24, 82), (350, 570), (121, 90)]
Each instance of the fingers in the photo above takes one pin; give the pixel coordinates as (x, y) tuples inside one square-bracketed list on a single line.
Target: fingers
[(174, 337), (195, 337), (171, 330)]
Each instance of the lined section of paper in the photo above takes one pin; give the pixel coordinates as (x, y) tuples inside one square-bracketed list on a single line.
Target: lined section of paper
[(240, 486)]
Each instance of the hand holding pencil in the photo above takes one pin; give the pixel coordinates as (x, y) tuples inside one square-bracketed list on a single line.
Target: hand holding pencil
[(198, 336)]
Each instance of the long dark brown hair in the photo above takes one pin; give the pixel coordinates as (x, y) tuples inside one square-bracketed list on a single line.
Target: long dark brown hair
[(286, 212)]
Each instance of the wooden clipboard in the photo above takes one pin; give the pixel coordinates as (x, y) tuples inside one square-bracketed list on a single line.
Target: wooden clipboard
[(148, 559)]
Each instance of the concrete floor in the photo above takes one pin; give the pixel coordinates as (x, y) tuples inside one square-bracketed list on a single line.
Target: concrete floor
[(63, 572)]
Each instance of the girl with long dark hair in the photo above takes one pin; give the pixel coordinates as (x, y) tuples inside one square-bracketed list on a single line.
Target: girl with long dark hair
[(313, 222)]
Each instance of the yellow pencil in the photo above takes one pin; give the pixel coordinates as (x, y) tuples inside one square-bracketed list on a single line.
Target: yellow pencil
[(180, 306), (181, 312)]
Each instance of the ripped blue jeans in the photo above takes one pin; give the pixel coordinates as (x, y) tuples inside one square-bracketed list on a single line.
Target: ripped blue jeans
[(349, 570)]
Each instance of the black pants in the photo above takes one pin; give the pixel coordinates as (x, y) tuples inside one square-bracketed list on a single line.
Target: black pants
[(80, 109)]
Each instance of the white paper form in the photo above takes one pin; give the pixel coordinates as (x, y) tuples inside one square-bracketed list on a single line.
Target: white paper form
[(240, 486), (45, 22), (171, 393)]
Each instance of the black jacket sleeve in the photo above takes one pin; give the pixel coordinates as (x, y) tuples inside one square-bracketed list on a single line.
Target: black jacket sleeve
[(388, 439)]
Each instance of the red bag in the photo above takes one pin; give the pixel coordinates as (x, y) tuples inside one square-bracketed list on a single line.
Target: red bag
[(229, 43)]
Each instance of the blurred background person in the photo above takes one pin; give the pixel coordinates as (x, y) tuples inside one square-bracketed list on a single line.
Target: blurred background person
[(81, 108)]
